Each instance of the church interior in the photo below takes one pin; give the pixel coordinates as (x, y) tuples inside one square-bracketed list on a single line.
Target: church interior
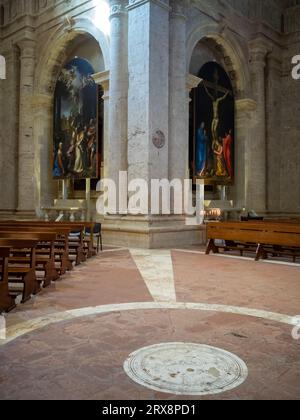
[(150, 200)]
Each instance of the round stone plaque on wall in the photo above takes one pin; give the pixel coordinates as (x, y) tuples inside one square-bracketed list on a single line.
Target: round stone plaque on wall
[(159, 139)]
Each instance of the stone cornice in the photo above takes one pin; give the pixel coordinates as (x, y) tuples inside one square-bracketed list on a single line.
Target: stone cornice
[(102, 79), (192, 81)]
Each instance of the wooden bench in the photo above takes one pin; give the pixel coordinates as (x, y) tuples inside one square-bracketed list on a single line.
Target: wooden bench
[(22, 273), (45, 252), (262, 238), (75, 244), (82, 243), (61, 244), (7, 302)]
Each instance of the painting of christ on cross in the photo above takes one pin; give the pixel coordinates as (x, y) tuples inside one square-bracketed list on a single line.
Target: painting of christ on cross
[(214, 126)]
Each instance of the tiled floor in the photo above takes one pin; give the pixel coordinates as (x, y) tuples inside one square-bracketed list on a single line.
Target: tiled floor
[(71, 341)]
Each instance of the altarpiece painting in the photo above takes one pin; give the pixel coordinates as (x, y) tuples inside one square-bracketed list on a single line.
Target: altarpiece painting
[(213, 127), (75, 147)]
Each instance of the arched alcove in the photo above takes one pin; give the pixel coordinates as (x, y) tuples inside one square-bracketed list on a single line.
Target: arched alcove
[(62, 46), (207, 44)]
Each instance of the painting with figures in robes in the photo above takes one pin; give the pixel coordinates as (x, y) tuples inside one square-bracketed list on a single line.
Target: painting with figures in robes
[(75, 148), (214, 126)]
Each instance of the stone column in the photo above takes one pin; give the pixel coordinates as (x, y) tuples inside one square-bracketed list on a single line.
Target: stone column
[(102, 79), (178, 114), (9, 110), (46, 189), (117, 144), (273, 105), (244, 113), (148, 96), (26, 199), (257, 187)]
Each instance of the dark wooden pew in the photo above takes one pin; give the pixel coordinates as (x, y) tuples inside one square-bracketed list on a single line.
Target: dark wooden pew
[(262, 238), (81, 240), (22, 273), (61, 244), (75, 243), (45, 252), (82, 244), (7, 302)]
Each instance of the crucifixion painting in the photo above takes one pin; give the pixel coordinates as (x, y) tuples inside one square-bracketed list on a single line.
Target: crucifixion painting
[(214, 126)]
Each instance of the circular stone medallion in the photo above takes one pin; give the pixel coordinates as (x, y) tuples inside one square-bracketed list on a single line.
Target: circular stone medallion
[(186, 369), (159, 139)]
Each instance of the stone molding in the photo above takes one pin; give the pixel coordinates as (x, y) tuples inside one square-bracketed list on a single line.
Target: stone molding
[(137, 3), (178, 9), (27, 48), (245, 105), (42, 101), (102, 79), (117, 9), (192, 82)]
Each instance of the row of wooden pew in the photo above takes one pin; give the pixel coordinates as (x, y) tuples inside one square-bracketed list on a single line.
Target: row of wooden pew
[(35, 253), (263, 238)]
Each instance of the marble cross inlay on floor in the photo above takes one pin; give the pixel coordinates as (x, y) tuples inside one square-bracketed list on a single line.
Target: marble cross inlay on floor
[(156, 268)]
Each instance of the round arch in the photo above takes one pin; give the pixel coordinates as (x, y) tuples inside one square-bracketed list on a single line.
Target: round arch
[(50, 61), (49, 64), (236, 59)]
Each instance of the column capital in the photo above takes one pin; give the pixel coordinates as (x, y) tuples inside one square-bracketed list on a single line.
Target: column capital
[(258, 49), (178, 9), (132, 4), (117, 8), (41, 101), (27, 48)]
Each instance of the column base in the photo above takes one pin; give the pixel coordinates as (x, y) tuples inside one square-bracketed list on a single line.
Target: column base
[(25, 214), (7, 214), (151, 232)]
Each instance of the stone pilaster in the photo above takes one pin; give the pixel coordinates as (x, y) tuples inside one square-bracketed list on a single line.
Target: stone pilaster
[(46, 189), (102, 79), (257, 187), (273, 121), (148, 96), (178, 115), (9, 110), (244, 112), (118, 91), (26, 143)]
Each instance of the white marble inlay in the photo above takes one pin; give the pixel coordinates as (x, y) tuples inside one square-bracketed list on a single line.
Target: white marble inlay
[(28, 326), (237, 257), (156, 268), (186, 369)]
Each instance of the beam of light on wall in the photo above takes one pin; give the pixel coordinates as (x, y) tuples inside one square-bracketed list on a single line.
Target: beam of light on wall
[(101, 17), (2, 68)]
